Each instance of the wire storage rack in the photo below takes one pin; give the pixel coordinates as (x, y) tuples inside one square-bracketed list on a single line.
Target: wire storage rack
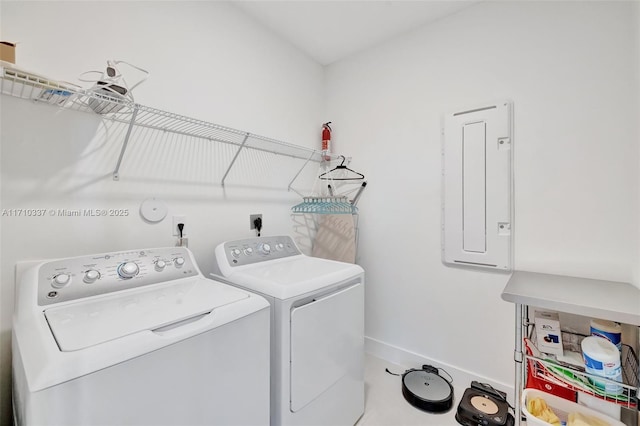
[(581, 300), (548, 374), (40, 89)]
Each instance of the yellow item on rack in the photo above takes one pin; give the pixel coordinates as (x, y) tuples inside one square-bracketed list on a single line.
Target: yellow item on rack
[(539, 408), (579, 419)]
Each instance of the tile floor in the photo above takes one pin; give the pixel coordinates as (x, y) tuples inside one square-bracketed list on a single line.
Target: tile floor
[(385, 405)]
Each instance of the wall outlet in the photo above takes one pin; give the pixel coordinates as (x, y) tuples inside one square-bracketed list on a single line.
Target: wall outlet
[(176, 221), (252, 218)]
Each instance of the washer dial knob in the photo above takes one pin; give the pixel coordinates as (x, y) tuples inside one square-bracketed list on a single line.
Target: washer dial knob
[(178, 261), (248, 251), (91, 276), (60, 280), (264, 248), (128, 270), (235, 252), (160, 265), (279, 246)]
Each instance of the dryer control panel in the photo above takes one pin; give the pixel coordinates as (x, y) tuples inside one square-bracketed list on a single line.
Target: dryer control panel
[(79, 277), (259, 249)]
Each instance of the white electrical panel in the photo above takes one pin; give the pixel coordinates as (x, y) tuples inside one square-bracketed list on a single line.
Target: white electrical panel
[(477, 179)]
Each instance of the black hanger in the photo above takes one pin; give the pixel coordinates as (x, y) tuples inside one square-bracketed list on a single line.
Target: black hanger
[(359, 176)]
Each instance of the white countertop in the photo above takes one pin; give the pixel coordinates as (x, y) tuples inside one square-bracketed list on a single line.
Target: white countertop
[(611, 300)]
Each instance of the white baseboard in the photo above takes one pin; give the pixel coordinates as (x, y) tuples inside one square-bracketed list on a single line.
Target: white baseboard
[(406, 359)]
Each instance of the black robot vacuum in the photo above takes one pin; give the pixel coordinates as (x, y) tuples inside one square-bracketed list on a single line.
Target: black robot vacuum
[(427, 390)]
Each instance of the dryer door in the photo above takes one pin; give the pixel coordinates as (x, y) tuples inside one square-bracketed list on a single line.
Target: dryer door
[(327, 343)]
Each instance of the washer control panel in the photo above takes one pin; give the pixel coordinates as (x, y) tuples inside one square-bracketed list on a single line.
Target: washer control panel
[(79, 277), (260, 249)]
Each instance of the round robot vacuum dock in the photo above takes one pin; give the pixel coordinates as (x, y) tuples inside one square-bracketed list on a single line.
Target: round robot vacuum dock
[(427, 391)]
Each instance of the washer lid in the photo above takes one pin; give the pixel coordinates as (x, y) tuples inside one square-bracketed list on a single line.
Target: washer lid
[(84, 324), (290, 277)]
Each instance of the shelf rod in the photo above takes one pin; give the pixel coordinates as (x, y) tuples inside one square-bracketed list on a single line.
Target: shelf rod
[(212, 138), (235, 157), (116, 174), (518, 357)]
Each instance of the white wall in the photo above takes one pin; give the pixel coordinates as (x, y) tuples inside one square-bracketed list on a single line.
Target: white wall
[(207, 60), (637, 91), (568, 68)]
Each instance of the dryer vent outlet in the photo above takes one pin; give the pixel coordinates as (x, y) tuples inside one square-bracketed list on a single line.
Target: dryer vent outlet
[(252, 220)]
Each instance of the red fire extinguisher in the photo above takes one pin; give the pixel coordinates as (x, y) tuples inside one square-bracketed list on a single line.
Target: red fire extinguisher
[(326, 141)]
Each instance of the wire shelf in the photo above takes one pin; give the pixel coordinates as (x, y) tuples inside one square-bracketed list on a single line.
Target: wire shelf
[(547, 374), (26, 85)]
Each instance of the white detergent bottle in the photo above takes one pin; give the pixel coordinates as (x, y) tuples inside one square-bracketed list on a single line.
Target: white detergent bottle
[(602, 358)]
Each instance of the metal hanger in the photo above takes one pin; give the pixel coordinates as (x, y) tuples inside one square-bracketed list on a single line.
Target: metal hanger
[(327, 175)]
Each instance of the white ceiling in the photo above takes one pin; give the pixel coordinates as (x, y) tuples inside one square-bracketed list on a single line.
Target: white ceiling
[(330, 30)]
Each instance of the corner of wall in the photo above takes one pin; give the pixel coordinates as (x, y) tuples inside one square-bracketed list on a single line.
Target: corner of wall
[(636, 53)]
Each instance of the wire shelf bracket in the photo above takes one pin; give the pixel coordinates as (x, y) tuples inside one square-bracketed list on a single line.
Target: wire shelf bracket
[(116, 172), (290, 187), (235, 157)]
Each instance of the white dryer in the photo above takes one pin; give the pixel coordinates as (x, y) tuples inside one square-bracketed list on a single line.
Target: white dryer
[(137, 338), (317, 369)]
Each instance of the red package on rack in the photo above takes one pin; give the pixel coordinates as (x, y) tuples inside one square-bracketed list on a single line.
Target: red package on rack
[(536, 379)]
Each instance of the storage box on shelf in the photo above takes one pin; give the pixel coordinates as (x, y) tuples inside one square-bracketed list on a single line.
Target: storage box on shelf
[(548, 331), (8, 52), (562, 408)]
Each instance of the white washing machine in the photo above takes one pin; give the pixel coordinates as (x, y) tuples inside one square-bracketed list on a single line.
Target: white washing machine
[(317, 338), (137, 338)]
